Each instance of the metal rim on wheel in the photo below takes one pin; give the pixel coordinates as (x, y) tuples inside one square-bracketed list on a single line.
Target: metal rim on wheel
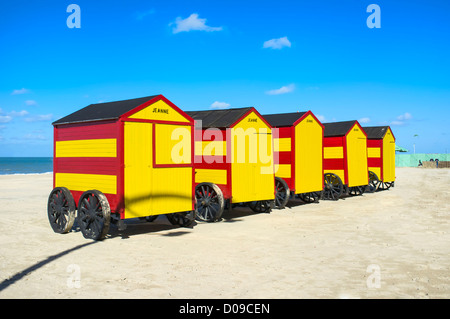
[(94, 215), (374, 182), (311, 197), (281, 193), (61, 210), (334, 188), (184, 219), (210, 202), (357, 190), (261, 206)]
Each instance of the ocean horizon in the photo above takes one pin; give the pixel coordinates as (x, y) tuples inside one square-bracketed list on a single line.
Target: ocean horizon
[(25, 165)]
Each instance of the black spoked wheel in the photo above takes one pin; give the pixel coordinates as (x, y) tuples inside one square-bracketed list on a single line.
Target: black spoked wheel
[(357, 190), (261, 206), (61, 210), (94, 215), (385, 185), (184, 219), (334, 188), (281, 193), (210, 202), (311, 197), (374, 182)]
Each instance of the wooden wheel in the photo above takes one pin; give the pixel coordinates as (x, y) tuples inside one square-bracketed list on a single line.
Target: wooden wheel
[(374, 182), (312, 197), (385, 185), (261, 206), (61, 210), (210, 202), (94, 215), (281, 193), (184, 219), (357, 190), (334, 188)]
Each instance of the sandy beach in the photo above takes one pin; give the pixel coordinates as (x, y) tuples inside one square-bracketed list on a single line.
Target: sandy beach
[(391, 244)]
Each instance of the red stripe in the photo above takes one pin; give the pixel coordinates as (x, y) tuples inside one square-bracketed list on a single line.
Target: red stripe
[(283, 157), (333, 141), (333, 163), (374, 162), (284, 132), (87, 131), (113, 200), (374, 143), (87, 165)]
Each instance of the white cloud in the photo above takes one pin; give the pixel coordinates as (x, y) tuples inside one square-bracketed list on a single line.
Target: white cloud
[(220, 105), (142, 15), (277, 43), (364, 120), (30, 102), (39, 118), (20, 91), (5, 118), (193, 22), (403, 117), (282, 90), (321, 118), (20, 113), (34, 137)]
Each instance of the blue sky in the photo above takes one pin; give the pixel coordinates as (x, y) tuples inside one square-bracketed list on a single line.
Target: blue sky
[(278, 56)]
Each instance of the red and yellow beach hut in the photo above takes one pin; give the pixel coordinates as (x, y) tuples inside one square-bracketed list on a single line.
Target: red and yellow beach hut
[(298, 155), (233, 161), (345, 159), (380, 156), (120, 160)]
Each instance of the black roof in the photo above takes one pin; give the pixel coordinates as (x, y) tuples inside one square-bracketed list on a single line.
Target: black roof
[(218, 118), (283, 119), (375, 132), (337, 128), (103, 111)]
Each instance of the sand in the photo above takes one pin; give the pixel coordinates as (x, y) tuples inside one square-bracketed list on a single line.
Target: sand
[(391, 244)]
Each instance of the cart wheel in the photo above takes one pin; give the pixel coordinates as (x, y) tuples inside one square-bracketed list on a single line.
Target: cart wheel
[(312, 197), (210, 202), (261, 206), (385, 185), (374, 182), (94, 215), (281, 193), (357, 190), (184, 219), (333, 187), (61, 210), (151, 218)]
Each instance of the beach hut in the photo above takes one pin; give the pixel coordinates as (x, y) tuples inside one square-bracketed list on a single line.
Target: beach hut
[(380, 157), (345, 159), (120, 160), (233, 161), (298, 155)]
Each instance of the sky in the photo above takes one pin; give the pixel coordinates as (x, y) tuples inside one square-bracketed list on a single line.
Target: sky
[(278, 56)]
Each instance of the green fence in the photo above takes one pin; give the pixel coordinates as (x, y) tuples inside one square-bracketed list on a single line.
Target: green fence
[(412, 160)]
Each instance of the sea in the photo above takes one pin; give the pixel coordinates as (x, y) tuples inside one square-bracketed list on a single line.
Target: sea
[(26, 165)]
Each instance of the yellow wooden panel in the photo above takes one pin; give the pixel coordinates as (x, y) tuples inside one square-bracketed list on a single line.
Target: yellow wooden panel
[(338, 172), (376, 170), (148, 190), (333, 152), (388, 157), (211, 148), (357, 157), (282, 144), (82, 182), (86, 148), (373, 152), (283, 170), (173, 144), (216, 176), (159, 111), (308, 156), (252, 160)]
